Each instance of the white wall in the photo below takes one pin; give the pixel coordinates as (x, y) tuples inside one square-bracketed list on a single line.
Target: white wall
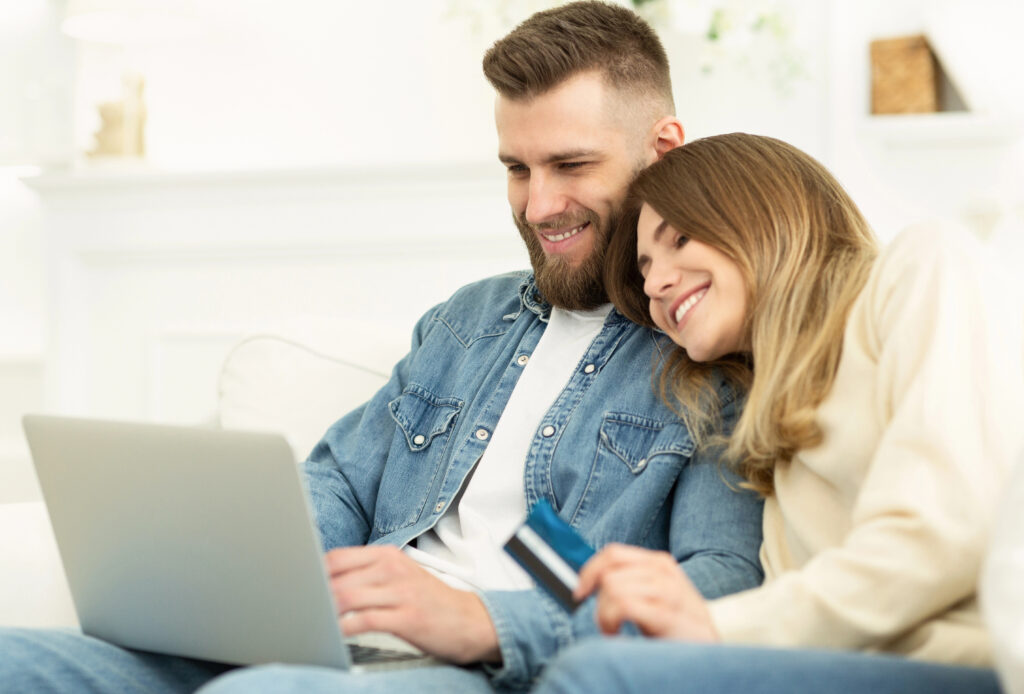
[(315, 81), (35, 117), (359, 90), (901, 169), (309, 82)]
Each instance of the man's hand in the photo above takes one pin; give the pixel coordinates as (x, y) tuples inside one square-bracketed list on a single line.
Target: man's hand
[(381, 589), (647, 588)]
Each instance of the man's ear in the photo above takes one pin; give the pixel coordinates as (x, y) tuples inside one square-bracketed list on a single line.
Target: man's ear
[(666, 134)]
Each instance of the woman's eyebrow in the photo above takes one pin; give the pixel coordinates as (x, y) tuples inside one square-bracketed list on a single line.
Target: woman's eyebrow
[(643, 261)]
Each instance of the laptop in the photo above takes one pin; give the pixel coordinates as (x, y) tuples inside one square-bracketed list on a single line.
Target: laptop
[(192, 542)]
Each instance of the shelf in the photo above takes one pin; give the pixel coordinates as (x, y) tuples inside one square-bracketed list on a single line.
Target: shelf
[(950, 129), (139, 177)]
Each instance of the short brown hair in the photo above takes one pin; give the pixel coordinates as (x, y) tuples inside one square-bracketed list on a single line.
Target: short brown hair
[(554, 45)]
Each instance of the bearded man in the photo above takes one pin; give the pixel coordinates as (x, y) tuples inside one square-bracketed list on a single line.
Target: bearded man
[(521, 387)]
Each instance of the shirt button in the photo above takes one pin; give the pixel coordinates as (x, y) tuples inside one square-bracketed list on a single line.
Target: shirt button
[(482, 434), (548, 431), (522, 360), (588, 369), (418, 439), (439, 507)]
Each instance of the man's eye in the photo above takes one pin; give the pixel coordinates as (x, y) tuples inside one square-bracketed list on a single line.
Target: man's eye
[(517, 169), (571, 164)]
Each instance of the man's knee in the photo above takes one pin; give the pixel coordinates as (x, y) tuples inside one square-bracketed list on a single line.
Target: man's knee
[(280, 679), (30, 659), (590, 666)]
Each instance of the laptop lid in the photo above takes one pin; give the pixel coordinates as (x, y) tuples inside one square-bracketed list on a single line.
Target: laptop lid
[(194, 542)]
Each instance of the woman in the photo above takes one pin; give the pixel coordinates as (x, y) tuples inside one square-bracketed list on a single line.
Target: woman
[(884, 396)]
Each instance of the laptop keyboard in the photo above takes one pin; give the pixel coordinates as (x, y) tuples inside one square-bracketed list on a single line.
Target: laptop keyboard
[(371, 654)]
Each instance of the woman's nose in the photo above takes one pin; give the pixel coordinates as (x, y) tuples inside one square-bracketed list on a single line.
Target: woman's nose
[(660, 279)]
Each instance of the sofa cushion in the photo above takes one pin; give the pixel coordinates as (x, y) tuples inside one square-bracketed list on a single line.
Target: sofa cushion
[(271, 383)]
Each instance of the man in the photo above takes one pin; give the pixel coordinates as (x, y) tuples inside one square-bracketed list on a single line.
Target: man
[(518, 388)]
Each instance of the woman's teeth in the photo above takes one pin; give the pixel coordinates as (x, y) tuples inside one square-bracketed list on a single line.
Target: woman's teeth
[(562, 237), (689, 303)]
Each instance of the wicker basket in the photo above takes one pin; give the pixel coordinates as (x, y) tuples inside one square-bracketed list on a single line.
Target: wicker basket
[(904, 76)]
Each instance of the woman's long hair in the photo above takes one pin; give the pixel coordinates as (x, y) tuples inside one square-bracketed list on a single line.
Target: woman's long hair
[(804, 251)]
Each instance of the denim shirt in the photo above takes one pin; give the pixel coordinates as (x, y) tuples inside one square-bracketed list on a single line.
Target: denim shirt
[(619, 465)]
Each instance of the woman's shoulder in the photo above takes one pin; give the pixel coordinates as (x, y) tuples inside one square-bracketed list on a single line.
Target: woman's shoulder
[(928, 246), (925, 261), (933, 269)]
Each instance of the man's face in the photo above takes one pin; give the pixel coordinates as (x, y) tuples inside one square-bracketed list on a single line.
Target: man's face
[(569, 160)]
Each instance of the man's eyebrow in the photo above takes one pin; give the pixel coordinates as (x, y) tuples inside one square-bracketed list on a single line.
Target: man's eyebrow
[(553, 158)]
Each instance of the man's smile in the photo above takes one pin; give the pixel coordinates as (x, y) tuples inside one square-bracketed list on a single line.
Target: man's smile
[(556, 236)]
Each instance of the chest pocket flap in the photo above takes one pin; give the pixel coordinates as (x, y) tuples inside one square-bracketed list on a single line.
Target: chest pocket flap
[(422, 415), (636, 440)]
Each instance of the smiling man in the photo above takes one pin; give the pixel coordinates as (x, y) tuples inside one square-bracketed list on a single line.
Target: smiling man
[(572, 139), (521, 387)]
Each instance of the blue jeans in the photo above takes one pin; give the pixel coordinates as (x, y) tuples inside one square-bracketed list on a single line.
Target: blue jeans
[(39, 662), (33, 660), (627, 665)]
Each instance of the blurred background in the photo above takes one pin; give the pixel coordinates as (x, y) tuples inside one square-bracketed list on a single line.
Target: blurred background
[(176, 175)]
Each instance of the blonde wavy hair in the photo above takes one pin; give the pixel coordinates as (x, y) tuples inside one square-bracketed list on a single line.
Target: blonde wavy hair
[(804, 251)]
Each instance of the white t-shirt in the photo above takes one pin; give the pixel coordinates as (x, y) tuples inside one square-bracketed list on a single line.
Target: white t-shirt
[(465, 547)]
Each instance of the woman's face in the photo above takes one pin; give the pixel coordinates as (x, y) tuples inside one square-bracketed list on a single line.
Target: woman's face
[(697, 293)]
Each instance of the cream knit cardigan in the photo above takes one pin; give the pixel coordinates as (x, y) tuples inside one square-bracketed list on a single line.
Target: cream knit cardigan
[(874, 539)]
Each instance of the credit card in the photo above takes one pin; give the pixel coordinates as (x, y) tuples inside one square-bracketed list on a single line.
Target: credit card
[(551, 551)]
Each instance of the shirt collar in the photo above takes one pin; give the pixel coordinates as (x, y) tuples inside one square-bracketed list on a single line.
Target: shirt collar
[(530, 299)]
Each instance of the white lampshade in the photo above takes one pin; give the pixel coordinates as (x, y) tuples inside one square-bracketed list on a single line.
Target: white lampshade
[(130, 21)]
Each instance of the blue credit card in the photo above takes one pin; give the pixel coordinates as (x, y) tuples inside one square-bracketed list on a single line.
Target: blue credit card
[(551, 551)]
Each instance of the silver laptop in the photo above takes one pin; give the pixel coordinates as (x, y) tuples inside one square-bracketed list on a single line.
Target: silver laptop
[(193, 542)]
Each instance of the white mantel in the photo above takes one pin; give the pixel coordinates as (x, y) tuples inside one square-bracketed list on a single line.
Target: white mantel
[(155, 275)]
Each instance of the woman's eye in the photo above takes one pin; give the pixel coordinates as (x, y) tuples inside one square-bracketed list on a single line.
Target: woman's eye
[(680, 241)]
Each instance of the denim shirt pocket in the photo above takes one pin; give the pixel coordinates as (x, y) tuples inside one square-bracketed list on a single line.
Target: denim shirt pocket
[(636, 465), (422, 416), (634, 440), (425, 421)]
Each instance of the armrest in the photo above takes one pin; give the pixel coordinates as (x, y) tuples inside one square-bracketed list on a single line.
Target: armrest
[(33, 589)]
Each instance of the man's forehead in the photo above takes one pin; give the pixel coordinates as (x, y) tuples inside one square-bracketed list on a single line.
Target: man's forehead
[(566, 122)]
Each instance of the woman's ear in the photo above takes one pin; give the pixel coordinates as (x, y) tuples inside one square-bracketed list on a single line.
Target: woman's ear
[(666, 134)]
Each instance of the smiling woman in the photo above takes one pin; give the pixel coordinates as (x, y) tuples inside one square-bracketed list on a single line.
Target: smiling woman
[(698, 296), (791, 253), (883, 391)]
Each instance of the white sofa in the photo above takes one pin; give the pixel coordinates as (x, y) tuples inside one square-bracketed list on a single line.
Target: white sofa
[(275, 383), (280, 384)]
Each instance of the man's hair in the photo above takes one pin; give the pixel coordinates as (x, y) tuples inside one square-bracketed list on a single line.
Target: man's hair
[(805, 252), (554, 45)]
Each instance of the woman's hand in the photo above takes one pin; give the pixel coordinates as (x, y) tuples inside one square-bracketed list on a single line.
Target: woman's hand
[(647, 588)]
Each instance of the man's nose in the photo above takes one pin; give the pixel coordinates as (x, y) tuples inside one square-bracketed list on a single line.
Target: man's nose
[(547, 199)]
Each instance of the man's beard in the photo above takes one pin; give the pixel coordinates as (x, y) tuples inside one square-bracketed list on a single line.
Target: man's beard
[(572, 288)]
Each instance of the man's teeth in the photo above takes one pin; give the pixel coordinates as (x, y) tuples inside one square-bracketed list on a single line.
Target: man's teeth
[(689, 303), (563, 237)]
